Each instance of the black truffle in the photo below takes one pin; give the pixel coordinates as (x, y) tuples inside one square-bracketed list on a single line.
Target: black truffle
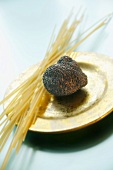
[(64, 78)]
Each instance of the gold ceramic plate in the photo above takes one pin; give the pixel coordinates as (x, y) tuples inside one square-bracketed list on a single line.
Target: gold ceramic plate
[(85, 107)]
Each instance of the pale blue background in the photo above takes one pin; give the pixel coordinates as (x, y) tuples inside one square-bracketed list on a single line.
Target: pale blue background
[(25, 29)]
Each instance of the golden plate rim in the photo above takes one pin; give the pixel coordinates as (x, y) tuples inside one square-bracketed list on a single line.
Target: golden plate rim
[(51, 125)]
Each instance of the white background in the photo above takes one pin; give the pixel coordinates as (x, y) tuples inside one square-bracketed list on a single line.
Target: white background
[(25, 30)]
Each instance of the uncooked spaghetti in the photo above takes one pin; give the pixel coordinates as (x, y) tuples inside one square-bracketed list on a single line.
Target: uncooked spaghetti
[(30, 95)]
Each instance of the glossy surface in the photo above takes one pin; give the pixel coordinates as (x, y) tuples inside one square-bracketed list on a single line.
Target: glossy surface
[(86, 106), (25, 30)]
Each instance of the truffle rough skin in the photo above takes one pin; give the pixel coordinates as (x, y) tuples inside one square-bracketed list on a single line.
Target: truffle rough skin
[(64, 78)]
